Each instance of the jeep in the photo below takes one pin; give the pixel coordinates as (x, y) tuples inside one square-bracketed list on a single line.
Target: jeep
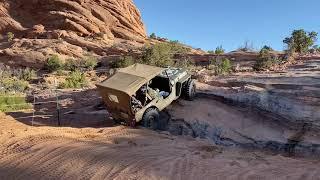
[(138, 93)]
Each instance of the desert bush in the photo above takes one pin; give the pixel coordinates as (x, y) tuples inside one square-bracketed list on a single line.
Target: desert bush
[(10, 36), (269, 48), (183, 63), (89, 62), (27, 74), (15, 80), (162, 54), (158, 55), (62, 72), (177, 48), (153, 36), (13, 102), (75, 79), (246, 47), (72, 65), (54, 63), (265, 60), (219, 50), (123, 62), (300, 41), (13, 84), (221, 66)]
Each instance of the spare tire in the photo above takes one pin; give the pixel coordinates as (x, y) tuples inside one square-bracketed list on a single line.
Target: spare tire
[(189, 89)]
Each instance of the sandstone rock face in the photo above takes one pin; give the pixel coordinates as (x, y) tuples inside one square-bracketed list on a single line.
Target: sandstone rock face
[(292, 94), (67, 28), (111, 18)]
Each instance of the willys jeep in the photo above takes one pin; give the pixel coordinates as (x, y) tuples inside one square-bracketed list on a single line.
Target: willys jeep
[(138, 93)]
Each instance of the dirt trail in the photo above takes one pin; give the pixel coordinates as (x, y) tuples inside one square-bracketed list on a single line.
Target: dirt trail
[(124, 153)]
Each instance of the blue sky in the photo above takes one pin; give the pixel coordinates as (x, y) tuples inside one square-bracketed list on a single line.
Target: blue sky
[(207, 24)]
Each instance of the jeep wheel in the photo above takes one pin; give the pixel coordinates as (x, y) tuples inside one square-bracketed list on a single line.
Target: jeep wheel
[(190, 89), (117, 122), (151, 119)]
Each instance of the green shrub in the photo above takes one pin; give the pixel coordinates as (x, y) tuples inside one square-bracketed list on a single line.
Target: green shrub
[(183, 63), (54, 63), (222, 66), (268, 48), (158, 55), (300, 41), (162, 54), (122, 62), (89, 62), (15, 80), (12, 84), (5, 73), (219, 50), (153, 36), (72, 65), (22, 74), (27, 74), (75, 79), (10, 36), (177, 48), (13, 102), (265, 60)]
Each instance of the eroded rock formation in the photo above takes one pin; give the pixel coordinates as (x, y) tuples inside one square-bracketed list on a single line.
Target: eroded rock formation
[(114, 18), (68, 28)]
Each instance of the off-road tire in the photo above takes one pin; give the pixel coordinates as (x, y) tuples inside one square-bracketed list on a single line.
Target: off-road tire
[(117, 121), (151, 119), (189, 90)]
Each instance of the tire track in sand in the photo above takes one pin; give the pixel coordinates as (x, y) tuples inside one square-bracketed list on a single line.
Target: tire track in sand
[(122, 153)]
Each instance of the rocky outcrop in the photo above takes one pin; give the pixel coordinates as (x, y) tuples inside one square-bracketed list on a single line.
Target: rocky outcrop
[(292, 94), (67, 28), (241, 58), (111, 18)]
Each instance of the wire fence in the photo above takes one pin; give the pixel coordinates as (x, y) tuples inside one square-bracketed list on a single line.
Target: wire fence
[(32, 101), (32, 107)]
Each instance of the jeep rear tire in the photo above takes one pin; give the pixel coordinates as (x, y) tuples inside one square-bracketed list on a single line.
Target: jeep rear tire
[(151, 119), (189, 90)]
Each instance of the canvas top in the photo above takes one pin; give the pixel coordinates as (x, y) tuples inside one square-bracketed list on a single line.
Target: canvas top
[(130, 79)]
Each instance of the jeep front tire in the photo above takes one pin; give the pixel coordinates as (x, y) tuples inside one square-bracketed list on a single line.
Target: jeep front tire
[(189, 90), (151, 119)]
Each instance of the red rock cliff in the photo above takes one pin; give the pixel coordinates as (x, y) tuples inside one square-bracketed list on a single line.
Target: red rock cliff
[(114, 18)]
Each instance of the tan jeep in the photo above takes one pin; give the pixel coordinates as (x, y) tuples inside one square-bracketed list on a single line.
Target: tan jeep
[(139, 92)]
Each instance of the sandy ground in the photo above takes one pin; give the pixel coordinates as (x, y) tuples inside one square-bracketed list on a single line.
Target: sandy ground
[(123, 153), (89, 147)]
